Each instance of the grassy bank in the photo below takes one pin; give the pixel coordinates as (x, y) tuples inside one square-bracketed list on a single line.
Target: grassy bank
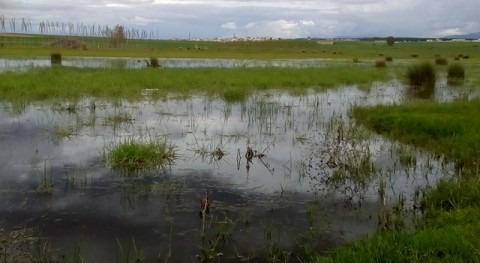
[(71, 83), (448, 230)]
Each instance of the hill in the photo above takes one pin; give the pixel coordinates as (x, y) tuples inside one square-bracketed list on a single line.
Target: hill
[(475, 35)]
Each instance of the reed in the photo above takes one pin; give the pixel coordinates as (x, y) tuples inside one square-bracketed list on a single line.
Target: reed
[(56, 59)]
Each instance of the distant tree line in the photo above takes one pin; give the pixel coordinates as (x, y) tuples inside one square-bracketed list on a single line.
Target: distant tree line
[(24, 25)]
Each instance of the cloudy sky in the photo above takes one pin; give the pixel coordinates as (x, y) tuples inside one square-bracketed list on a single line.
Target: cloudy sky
[(281, 18)]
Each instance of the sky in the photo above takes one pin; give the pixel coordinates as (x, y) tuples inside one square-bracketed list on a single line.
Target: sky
[(167, 19)]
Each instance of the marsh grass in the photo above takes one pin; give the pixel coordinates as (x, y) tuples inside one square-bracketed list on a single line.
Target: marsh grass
[(449, 229), (449, 129), (455, 73), (59, 132), (232, 83), (441, 61), (421, 76), (119, 118), (46, 180), (56, 59), (134, 154), (38, 45), (380, 64)]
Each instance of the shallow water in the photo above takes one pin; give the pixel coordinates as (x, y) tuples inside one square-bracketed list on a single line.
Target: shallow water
[(320, 171), (107, 62)]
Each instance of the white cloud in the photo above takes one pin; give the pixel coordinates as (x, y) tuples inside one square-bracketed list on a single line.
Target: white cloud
[(138, 20), (229, 25), (450, 31), (280, 28)]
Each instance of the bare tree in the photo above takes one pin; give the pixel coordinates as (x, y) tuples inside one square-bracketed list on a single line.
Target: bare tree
[(117, 36)]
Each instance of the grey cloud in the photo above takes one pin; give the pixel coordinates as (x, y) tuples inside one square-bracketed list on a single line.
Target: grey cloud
[(204, 18)]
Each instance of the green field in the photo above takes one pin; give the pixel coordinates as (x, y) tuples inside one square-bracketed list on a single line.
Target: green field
[(40, 45)]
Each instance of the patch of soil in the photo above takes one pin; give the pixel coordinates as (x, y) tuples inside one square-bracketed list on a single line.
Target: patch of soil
[(69, 43)]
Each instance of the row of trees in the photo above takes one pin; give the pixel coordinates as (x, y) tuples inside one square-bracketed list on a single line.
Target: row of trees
[(24, 25)]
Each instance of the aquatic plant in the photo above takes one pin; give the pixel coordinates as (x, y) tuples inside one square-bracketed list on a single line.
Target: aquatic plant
[(456, 72), (421, 75), (449, 228), (134, 153), (118, 118), (56, 59), (234, 94), (380, 64), (153, 63), (59, 132), (441, 61)]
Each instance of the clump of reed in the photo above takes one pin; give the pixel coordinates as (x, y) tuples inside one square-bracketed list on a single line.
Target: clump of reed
[(421, 75), (153, 63), (137, 154), (456, 71), (441, 61), (56, 59), (389, 59), (380, 64)]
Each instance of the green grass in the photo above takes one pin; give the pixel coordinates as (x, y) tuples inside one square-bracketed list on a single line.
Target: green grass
[(451, 129), (137, 154), (449, 229), (38, 45), (71, 83)]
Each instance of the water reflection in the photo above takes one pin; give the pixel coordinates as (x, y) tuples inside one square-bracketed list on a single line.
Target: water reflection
[(99, 62), (315, 159)]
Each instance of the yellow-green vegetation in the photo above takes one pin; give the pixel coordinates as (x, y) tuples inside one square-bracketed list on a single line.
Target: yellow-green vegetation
[(449, 229), (71, 83), (137, 154)]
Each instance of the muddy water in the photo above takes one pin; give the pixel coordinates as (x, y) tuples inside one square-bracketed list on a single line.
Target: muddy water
[(320, 173)]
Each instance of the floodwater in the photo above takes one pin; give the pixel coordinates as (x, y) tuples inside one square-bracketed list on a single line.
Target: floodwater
[(321, 175), (105, 62)]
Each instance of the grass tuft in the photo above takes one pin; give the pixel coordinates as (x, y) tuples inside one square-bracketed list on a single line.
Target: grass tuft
[(380, 64), (136, 154), (441, 61), (421, 75), (56, 59), (456, 71)]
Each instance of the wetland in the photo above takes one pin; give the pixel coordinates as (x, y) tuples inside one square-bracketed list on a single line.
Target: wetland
[(224, 163)]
